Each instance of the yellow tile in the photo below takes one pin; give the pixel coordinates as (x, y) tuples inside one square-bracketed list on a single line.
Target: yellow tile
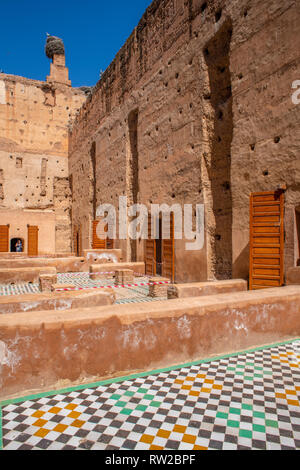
[(177, 381), (147, 439), (40, 423), (38, 414), (55, 410), (77, 423), (294, 365), (199, 448), (291, 392), (280, 395), (190, 379), (217, 387), (155, 447), (194, 393), (42, 432), (60, 428), (163, 433), (293, 402), (74, 414), (186, 387), (205, 390), (180, 429), (71, 406), (208, 381), (189, 439), (201, 376)]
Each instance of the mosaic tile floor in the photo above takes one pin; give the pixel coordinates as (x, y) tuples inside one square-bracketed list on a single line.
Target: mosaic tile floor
[(244, 401), (82, 280)]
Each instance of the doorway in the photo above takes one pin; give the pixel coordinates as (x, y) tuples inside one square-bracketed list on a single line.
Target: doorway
[(13, 245), (160, 252)]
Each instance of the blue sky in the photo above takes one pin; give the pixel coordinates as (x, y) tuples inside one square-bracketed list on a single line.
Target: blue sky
[(93, 32)]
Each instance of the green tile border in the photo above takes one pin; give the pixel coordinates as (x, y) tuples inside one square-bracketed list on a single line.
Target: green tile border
[(131, 377)]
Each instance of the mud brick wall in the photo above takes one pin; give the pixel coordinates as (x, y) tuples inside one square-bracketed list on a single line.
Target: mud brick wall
[(34, 121), (196, 108)]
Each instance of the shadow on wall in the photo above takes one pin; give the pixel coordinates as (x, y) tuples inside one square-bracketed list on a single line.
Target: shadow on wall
[(217, 58), (241, 264)]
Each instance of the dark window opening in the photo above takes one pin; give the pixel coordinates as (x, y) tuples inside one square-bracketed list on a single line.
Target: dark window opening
[(17, 245)]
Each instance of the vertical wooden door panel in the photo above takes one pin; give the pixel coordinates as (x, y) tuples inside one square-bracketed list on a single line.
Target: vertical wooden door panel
[(266, 240), (4, 238), (150, 252), (33, 240), (168, 251), (98, 243)]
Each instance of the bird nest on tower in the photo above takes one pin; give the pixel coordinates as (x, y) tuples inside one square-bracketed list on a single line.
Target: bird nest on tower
[(54, 46)]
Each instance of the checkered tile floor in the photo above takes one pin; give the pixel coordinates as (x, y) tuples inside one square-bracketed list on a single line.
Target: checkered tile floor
[(245, 401), (82, 280)]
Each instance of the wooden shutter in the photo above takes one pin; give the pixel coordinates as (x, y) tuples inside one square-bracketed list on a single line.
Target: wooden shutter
[(150, 252), (4, 238), (266, 240), (33, 234), (98, 243), (168, 252)]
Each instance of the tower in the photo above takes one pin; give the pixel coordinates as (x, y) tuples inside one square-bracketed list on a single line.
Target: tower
[(55, 50)]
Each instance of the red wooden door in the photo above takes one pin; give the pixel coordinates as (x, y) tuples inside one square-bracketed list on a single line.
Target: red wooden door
[(33, 236), (168, 252), (4, 238), (98, 243), (150, 252), (266, 240)]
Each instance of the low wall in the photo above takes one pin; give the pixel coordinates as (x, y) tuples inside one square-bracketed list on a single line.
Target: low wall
[(197, 289), (55, 349), (138, 268), (16, 275), (62, 265), (103, 256), (56, 301)]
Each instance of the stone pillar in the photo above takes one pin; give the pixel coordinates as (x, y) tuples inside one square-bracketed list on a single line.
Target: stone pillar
[(123, 276), (158, 287), (46, 281)]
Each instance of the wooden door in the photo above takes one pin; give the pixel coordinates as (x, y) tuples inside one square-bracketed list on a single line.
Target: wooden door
[(101, 243), (4, 238), (150, 252), (33, 237), (98, 243), (168, 252), (266, 240)]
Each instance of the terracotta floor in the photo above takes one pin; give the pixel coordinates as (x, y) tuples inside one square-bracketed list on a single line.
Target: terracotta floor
[(245, 401)]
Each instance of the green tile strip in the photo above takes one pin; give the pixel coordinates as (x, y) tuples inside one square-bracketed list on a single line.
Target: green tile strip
[(1, 440), (136, 376)]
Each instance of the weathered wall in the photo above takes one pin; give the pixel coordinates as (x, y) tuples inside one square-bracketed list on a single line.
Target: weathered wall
[(34, 120), (196, 87), (52, 349)]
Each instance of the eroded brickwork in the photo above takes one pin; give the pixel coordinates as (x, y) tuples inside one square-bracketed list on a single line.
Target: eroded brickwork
[(34, 121), (210, 86)]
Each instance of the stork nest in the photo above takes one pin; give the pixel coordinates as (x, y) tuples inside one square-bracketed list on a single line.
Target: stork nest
[(54, 46)]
